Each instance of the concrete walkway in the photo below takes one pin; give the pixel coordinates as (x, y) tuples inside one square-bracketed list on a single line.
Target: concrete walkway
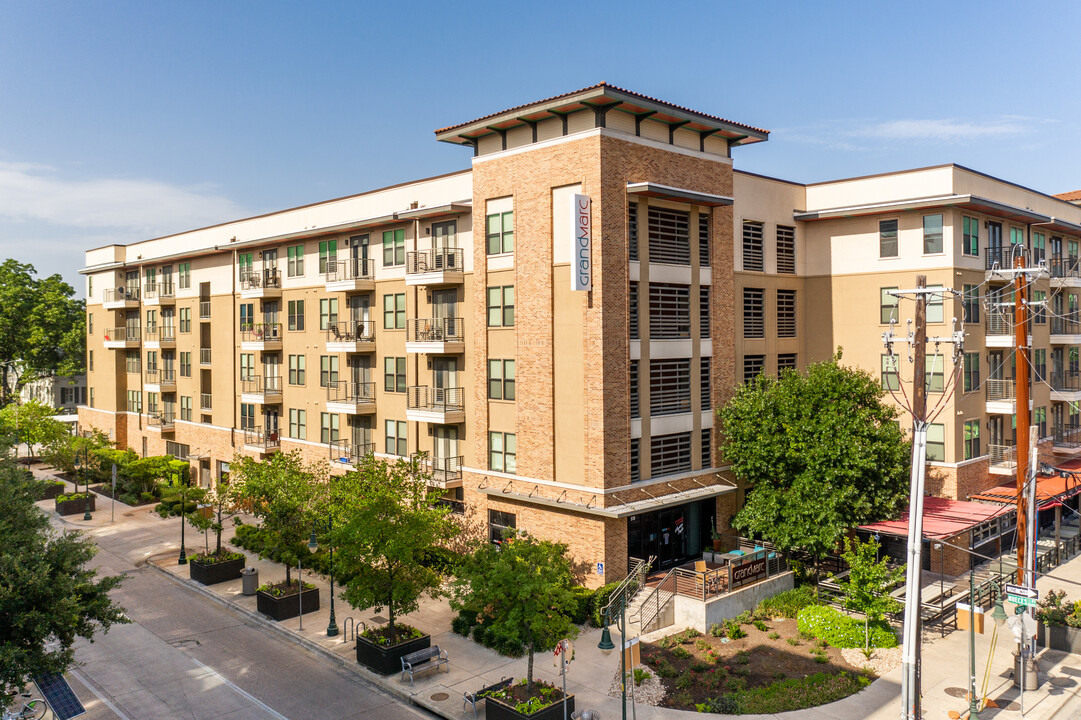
[(945, 660)]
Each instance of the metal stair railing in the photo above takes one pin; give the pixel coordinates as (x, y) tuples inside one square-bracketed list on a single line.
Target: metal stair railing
[(630, 584), (653, 604)]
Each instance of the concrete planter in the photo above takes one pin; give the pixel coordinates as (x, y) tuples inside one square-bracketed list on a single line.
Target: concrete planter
[(388, 660), (496, 709), (72, 507), (286, 606), (1059, 637), (214, 573)]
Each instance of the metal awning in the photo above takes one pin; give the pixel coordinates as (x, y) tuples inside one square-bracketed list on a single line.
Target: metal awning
[(615, 511), (942, 518), (665, 192), (973, 203), (454, 208)]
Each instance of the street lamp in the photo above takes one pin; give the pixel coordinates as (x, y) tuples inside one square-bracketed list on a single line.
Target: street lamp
[(313, 545), (606, 645), (183, 559), (86, 481)]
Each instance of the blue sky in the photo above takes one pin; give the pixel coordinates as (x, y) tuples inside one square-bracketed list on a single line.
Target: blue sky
[(126, 120)]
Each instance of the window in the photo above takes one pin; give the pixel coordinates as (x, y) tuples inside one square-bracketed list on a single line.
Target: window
[(328, 428), (753, 365), (669, 236), (90, 323), (1039, 306), (669, 311), (296, 369), (705, 382), (91, 397), (244, 263), (151, 320), (298, 423), (90, 360), (752, 246), (703, 312), (970, 242), (394, 311), (1017, 236), (887, 238), (185, 364), (295, 260), (296, 314), (328, 250), (932, 234), (890, 380), (935, 305), (632, 311), (936, 442), (502, 452), (754, 324), (670, 454), (971, 371), (887, 305), (328, 370), (972, 439), (135, 401), (90, 286), (669, 386), (1039, 419), (500, 234), (786, 313), (1039, 365), (394, 374), (247, 316), (499, 523), (177, 450), (185, 408), (396, 438), (501, 306), (131, 361), (935, 377), (785, 361), (703, 239), (183, 271), (247, 366), (636, 462), (394, 247), (501, 380), (707, 445), (247, 416), (328, 311), (151, 401), (970, 303), (635, 410), (786, 250), (185, 319), (632, 231)]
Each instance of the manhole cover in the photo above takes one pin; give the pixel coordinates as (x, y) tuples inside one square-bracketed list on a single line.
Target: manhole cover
[(956, 692), (1061, 682), (440, 697), (378, 619)]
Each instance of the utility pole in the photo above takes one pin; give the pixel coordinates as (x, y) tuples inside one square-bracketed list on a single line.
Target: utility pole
[(1020, 349)]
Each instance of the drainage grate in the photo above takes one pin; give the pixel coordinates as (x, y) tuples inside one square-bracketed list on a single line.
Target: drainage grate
[(439, 697), (379, 620)]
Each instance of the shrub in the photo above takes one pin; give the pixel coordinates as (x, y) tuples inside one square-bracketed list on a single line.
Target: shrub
[(699, 666), (1054, 610), (684, 682), (641, 675), (785, 695), (734, 631), (760, 626), (461, 624), (773, 635), (584, 597), (666, 670), (821, 659), (787, 604), (744, 617), (681, 652), (600, 599), (701, 644), (793, 641), (716, 630), (825, 622)]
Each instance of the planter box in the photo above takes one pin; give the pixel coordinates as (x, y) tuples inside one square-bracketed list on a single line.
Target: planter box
[(51, 491), (1059, 637), (287, 606), (214, 573), (72, 507), (388, 660), (498, 710)]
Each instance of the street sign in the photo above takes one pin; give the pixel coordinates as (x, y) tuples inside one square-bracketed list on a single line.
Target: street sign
[(1030, 602), (1020, 591)]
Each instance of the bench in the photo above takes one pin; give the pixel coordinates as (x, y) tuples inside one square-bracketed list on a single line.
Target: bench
[(422, 660), (474, 698)]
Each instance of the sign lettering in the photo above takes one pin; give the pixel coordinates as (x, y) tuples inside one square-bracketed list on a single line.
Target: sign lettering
[(749, 571), (582, 251)]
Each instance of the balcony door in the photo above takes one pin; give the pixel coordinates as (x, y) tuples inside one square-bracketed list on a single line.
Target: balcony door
[(270, 311), (131, 283), (445, 445), (361, 430), (444, 373), (270, 423), (360, 368), (444, 242), (994, 239), (359, 247), (360, 308)]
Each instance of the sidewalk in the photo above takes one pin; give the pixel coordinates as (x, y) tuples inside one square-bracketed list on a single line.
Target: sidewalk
[(149, 539)]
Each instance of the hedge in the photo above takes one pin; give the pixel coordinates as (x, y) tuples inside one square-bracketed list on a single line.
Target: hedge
[(842, 631), (788, 603)]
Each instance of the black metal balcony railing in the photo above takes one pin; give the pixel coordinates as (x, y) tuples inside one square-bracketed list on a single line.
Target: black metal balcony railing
[(435, 330), (1064, 267), (204, 309), (204, 356), (351, 331), (344, 451), (344, 391), (123, 334), (261, 385), (1002, 256), (1067, 436), (122, 294), (1062, 326), (262, 332), (442, 470), (254, 279), (434, 260), (1001, 389), (350, 269), (162, 419), (255, 437), (1066, 381), (422, 397)]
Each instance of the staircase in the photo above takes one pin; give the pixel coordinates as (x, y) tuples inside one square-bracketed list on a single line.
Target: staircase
[(653, 608)]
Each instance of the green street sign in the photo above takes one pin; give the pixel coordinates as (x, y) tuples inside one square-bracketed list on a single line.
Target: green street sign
[(1021, 600)]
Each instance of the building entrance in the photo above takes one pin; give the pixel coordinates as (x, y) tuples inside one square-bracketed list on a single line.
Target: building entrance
[(674, 535)]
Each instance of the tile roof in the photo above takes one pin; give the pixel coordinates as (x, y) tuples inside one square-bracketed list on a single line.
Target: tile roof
[(1071, 196)]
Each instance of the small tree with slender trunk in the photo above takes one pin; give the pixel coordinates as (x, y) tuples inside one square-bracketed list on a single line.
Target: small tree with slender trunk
[(867, 587), (224, 498)]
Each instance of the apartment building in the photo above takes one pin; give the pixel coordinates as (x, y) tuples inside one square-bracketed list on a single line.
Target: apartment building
[(554, 326)]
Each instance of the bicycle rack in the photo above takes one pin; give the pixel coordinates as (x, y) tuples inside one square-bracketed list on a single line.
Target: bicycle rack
[(350, 624)]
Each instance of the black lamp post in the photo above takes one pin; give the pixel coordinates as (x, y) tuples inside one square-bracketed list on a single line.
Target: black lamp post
[(86, 480), (313, 545), (606, 645), (183, 559)]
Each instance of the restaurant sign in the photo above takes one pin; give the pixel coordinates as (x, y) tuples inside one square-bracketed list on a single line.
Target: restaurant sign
[(749, 571)]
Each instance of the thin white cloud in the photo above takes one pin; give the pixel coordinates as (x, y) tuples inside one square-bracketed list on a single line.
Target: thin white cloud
[(941, 129)]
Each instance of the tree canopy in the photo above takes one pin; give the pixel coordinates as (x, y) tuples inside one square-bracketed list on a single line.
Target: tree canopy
[(820, 453), (867, 587), (32, 423)]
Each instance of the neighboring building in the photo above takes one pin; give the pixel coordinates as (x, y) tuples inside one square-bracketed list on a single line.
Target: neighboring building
[(63, 393), (439, 316)]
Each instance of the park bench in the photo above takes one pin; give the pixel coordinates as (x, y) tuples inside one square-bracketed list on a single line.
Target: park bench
[(424, 659), (475, 697)]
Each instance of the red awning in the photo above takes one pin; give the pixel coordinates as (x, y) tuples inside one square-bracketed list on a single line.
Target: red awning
[(942, 518), (1049, 490)]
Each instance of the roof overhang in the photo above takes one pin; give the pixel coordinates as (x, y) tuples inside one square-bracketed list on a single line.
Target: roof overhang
[(615, 511), (455, 208), (1049, 491), (664, 192), (942, 519), (972, 203)]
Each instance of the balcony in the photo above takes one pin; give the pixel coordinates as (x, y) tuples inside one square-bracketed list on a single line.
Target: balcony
[(1003, 459), (346, 453), (121, 299), (443, 406), (265, 390), (444, 472), (120, 338), (435, 336), (205, 401), (1067, 439), (443, 266), (261, 336), (1065, 386), (351, 336), (160, 338), (205, 357), (161, 421), (1001, 396), (259, 442), (998, 330), (350, 275), (1065, 332), (352, 398), (1001, 257), (1065, 272), (266, 283), (204, 309), (159, 294), (160, 380)]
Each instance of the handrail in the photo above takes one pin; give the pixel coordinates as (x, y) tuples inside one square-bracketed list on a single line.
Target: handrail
[(629, 585), (651, 608)]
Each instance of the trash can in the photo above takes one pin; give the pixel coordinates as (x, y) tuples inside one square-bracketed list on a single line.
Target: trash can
[(1032, 680), (250, 580)]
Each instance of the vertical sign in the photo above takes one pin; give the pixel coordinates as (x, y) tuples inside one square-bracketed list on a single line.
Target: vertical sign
[(581, 253)]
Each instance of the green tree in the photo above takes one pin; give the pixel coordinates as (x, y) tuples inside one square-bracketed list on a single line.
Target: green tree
[(48, 595), (867, 587), (63, 451), (287, 496), (142, 475), (522, 589), (820, 453), (385, 524), (32, 423), (224, 500), (42, 328)]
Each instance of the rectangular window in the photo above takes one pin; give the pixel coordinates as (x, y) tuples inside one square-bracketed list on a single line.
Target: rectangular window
[(752, 246), (502, 452), (296, 315), (935, 377), (972, 439), (635, 410), (669, 386), (1039, 306), (90, 360), (298, 424), (247, 416), (669, 311), (1039, 364), (706, 383), (501, 306), (185, 408), (1017, 236), (932, 234), (753, 365), (887, 305), (669, 236), (396, 439), (971, 371), (328, 312), (887, 238), (786, 250), (91, 397), (707, 447), (935, 305), (1039, 419), (499, 523), (328, 370), (704, 239), (185, 364), (328, 251), (754, 323), (970, 304), (632, 310), (185, 319), (632, 231), (394, 311), (151, 402), (936, 442), (970, 237), (394, 247), (295, 260), (704, 329), (296, 369), (183, 272), (177, 450), (394, 374), (247, 316), (328, 428), (244, 264), (247, 366), (670, 454), (131, 361), (889, 373), (500, 233), (501, 380), (636, 470), (785, 361), (135, 401), (786, 313)]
